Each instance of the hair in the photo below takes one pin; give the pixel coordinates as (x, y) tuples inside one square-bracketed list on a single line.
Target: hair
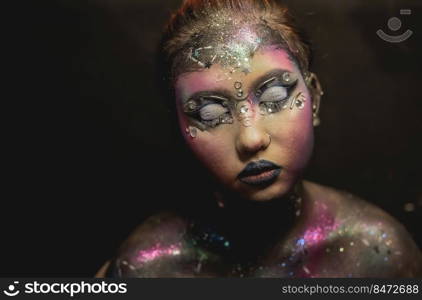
[(196, 15)]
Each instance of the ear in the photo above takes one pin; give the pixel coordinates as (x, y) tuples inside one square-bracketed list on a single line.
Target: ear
[(315, 88)]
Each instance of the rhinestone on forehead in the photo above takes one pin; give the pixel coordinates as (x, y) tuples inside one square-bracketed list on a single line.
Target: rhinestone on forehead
[(238, 86)]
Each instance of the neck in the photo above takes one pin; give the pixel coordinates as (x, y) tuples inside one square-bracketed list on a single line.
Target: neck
[(252, 227)]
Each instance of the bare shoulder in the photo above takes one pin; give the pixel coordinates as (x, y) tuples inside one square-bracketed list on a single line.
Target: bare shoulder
[(161, 228), (162, 246), (158, 239), (377, 243)]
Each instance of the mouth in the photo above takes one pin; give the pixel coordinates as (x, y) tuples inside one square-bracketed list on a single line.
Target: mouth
[(259, 173)]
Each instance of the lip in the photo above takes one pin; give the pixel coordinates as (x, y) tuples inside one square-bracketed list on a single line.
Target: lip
[(259, 173)]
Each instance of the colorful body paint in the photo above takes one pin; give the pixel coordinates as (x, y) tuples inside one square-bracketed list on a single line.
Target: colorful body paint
[(334, 236)]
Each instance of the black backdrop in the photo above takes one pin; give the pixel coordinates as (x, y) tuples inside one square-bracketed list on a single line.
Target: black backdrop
[(86, 138)]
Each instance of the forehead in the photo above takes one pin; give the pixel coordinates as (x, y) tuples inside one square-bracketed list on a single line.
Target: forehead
[(216, 77)]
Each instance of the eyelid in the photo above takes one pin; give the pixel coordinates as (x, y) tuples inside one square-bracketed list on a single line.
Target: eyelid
[(205, 97), (219, 95), (274, 94), (212, 111), (288, 85), (266, 82), (215, 97), (199, 101)]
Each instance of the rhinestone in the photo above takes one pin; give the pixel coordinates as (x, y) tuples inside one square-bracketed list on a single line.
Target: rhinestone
[(244, 109), (227, 119), (247, 123), (237, 85), (191, 105), (240, 94), (299, 104), (286, 76), (193, 132)]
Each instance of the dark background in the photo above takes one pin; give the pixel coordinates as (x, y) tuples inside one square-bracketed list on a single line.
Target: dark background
[(87, 142)]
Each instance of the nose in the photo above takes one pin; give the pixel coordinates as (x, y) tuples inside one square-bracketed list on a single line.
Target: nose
[(251, 140)]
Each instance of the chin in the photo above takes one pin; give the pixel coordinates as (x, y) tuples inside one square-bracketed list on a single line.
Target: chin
[(274, 191)]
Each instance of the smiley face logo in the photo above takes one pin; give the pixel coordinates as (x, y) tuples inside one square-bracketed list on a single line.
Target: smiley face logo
[(394, 24), (11, 289)]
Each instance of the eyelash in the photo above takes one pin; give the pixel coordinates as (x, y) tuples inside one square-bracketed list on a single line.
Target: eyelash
[(272, 107), (225, 118)]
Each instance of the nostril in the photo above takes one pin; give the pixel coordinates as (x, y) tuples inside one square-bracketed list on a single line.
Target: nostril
[(251, 140)]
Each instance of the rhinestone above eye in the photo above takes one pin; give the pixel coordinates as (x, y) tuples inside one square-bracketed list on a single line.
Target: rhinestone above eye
[(286, 77), (193, 132), (300, 101), (191, 105), (237, 85), (299, 104)]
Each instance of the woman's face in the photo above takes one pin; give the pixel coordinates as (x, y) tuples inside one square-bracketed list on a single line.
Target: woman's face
[(253, 130)]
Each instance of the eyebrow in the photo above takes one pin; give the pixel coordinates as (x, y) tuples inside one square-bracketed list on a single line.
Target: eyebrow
[(226, 94), (267, 77), (223, 94)]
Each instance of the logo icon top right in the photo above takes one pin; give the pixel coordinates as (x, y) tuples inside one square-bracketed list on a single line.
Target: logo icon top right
[(394, 24), (11, 289)]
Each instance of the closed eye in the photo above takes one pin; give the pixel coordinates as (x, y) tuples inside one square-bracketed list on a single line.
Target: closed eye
[(208, 111), (274, 94), (212, 111)]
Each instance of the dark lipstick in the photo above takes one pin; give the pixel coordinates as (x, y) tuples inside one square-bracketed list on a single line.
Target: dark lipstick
[(259, 173)]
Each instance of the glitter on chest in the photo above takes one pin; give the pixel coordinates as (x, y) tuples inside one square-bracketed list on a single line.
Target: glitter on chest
[(158, 251), (320, 227)]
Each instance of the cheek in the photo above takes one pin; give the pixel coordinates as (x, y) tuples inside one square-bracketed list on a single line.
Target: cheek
[(293, 137), (213, 152), (212, 149), (300, 143)]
